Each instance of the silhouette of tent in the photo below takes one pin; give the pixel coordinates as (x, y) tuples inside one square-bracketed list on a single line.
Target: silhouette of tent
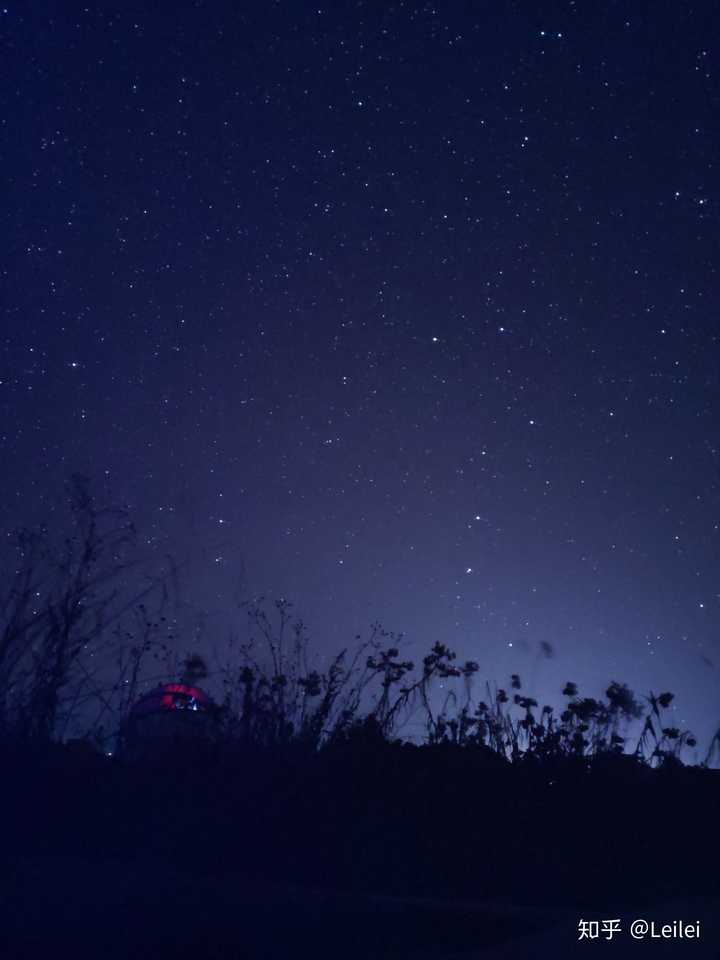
[(170, 713), (171, 696)]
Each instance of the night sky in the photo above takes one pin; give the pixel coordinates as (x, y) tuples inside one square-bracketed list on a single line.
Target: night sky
[(401, 311)]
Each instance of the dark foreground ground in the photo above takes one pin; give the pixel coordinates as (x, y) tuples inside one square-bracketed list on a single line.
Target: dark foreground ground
[(68, 907), (126, 910), (387, 853)]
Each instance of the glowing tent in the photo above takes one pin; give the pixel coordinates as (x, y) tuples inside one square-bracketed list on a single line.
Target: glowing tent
[(170, 713)]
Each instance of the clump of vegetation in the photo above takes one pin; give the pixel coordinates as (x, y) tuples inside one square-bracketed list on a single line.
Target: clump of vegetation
[(58, 614), (586, 728)]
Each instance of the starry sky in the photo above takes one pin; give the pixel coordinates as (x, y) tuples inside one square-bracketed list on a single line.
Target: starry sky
[(402, 311)]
